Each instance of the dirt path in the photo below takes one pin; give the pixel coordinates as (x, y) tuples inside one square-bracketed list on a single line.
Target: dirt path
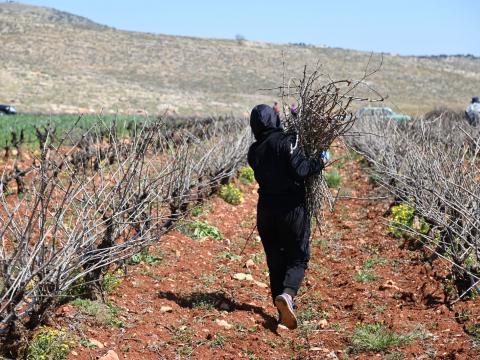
[(188, 305)]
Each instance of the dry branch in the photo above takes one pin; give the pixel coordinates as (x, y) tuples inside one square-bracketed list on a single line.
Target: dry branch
[(324, 113)]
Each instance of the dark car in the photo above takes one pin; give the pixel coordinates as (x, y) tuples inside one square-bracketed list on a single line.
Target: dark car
[(7, 109), (382, 113)]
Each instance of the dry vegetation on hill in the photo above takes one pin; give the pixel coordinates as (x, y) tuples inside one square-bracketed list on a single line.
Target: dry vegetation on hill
[(57, 62)]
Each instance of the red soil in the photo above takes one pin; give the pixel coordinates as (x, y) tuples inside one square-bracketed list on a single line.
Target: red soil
[(195, 280)]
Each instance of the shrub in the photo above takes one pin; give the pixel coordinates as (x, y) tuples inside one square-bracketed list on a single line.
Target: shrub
[(246, 175), (333, 178), (231, 194), (49, 344), (403, 217), (199, 230)]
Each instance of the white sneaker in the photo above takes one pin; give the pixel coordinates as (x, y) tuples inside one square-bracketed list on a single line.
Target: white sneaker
[(285, 306)]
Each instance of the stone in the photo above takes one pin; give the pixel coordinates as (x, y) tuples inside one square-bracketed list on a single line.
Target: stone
[(331, 355), (389, 284), (96, 343), (110, 355), (242, 277), (323, 323), (249, 263), (261, 284), (224, 324), (74, 353), (166, 309)]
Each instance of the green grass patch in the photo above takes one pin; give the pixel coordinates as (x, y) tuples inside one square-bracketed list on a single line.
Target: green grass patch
[(218, 341), (104, 314), (310, 314), (474, 331), (62, 124), (199, 230), (146, 257), (365, 276), (333, 178), (196, 211), (377, 338), (370, 263), (227, 255)]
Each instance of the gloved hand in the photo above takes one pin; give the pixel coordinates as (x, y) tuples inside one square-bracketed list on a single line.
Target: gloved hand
[(325, 155)]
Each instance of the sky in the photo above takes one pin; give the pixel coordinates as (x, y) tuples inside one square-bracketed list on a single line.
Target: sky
[(405, 27)]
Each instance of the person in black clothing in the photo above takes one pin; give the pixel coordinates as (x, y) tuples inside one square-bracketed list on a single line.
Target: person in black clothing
[(283, 222)]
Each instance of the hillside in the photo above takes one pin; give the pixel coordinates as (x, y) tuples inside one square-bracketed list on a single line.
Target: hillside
[(57, 62)]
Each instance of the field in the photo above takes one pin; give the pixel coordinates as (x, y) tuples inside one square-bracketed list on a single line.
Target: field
[(197, 287), (188, 303), (61, 123), (59, 63)]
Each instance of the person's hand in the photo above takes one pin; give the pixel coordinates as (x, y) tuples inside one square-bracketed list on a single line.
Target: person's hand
[(321, 162)]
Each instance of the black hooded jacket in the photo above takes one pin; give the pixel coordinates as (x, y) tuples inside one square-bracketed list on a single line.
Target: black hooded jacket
[(279, 165)]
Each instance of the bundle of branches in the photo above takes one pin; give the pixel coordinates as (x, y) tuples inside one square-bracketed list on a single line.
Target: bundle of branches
[(323, 113)]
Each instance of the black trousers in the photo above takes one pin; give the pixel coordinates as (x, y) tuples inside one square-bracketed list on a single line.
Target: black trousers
[(285, 235)]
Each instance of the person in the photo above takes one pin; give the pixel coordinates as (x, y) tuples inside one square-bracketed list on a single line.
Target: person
[(283, 223), (276, 108), (294, 110), (473, 112)]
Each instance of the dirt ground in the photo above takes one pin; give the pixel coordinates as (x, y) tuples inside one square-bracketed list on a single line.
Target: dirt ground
[(189, 304)]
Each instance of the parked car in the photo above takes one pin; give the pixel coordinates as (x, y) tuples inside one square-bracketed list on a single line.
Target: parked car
[(382, 113), (7, 109)]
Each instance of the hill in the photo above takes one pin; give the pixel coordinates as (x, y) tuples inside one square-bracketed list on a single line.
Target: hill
[(57, 62)]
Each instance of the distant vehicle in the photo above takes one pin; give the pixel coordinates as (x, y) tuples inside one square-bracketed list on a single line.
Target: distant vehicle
[(382, 113), (7, 109)]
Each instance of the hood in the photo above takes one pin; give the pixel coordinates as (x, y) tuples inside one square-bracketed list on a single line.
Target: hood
[(264, 121)]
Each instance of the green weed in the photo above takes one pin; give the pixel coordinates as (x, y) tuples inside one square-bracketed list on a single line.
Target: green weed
[(333, 178), (196, 211), (199, 230), (474, 331), (231, 194), (365, 276), (376, 337), (209, 279), (403, 218), (246, 175), (227, 255), (370, 263), (103, 314), (49, 344), (144, 256), (223, 269), (112, 280), (218, 341)]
